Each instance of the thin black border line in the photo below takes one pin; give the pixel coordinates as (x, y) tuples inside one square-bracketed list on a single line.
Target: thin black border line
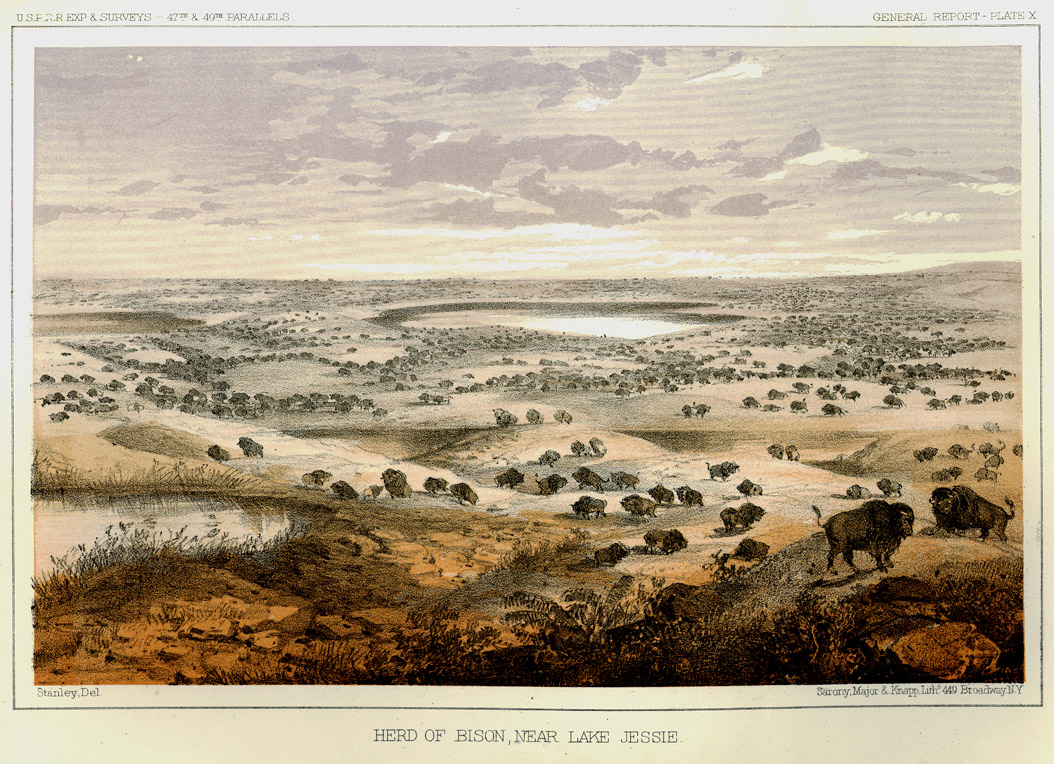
[(1039, 103)]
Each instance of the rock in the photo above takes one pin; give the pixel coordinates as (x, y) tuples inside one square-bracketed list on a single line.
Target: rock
[(334, 627), (950, 651)]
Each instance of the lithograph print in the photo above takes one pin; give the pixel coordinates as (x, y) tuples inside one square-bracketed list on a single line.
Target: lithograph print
[(645, 365)]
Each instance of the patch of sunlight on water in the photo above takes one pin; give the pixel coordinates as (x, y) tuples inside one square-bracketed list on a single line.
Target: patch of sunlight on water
[(601, 326)]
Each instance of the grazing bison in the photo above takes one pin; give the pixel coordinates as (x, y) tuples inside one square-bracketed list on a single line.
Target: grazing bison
[(689, 497), (749, 488), (510, 478), (994, 461), (1019, 450), (986, 474), (830, 409), (957, 451), (639, 505), (578, 448), (562, 417), (464, 493), (799, 407), (724, 470), (504, 418), (217, 453), (792, 454), (776, 451), (59, 416), (611, 555), (889, 487), (925, 454), (316, 478), (987, 449), (586, 477), (534, 417), (857, 492), (250, 447), (744, 515), (666, 542), (701, 409), (960, 508), (597, 446), (661, 494), (624, 480), (344, 490), (749, 549), (434, 485), (375, 490), (552, 484), (687, 411), (587, 505), (893, 402), (877, 527), (751, 402), (396, 484), (549, 458), (942, 476)]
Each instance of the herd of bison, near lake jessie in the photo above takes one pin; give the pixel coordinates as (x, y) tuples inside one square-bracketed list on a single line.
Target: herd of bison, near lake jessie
[(588, 483)]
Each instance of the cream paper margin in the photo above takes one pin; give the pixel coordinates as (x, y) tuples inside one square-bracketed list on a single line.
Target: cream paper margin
[(781, 723)]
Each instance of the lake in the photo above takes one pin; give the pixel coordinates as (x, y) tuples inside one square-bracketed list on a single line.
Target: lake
[(60, 525), (595, 326)]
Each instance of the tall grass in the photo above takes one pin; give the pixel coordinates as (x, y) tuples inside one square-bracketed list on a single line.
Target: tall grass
[(53, 479), (545, 555)]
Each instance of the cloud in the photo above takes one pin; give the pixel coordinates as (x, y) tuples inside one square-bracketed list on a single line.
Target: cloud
[(776, 175), (1002, 189), (234, 221), (676, 203), (443, 136), (345, 62), (210, 206), (49, 213), (173, 213), (592, 103), (747, 205), (928, 217), (855, 233), (1005, 174), (748, 69), (552, 231), (137, 188), (571, 204), (828, 153), (481, 212)]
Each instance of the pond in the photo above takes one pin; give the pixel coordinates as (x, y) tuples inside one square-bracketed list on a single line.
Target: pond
[(59, 526), (595, 326)]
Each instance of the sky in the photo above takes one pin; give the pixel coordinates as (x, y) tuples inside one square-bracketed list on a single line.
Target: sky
[(412, 162)]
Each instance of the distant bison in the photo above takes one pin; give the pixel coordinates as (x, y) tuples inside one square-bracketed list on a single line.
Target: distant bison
[(534, 417), (666, 542), (586, 477), (830, 409), (776, 451), (1019, 450), (219, 454), (316, 478), (925, 454), (749, 488), (552, 484), (877, 527), (744, 515), (510, 478), (986, 474), (59, 416), (562, 417), (661, 494), (504, 418), (889, 487), (857, 492), (587, 505), (396, 484), (434, 485), (956, 451), (792, 454), (549, 458), (624, 480), (689, 497), (611, 555), (959, 508), (596, 445), (375, 490), (749, 549), (724, 470), (344, 490), (250, 447), (578, 448), (639, 505), (799, 407), (464, 493)]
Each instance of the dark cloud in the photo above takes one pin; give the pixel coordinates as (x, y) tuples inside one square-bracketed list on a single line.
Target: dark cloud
[(173, 213), (345, 62), (139, 187), (607, 77), (747, 206), (481, 212), (571, 204), (579, 153), (91, 85), (800, 145), (234, 221), (1005, 174), (757, 167), (871, 168), (677, 203), (213, 206), (476, 162), (49, 213)]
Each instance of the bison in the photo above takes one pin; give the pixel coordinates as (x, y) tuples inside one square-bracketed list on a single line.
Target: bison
[(959, 508), (344, 490), (639, 505), (799, 407), (830, 409), (587, 505), (994, 461), (689, 497), (925, 454), (510, 478), (744, 515), (250, 447), (549, 458), (552, 484), (434, 485), (877, 527), (597, 446), (316, 478), (666, 542), (396, 484), (578, 448), (749, 549), (375, 490), (956, 451), (889, 487), (464, 493), (562, 417), (857, 492), (624, 480), (504, 418), (218, 454), (534, 417), (724, 470), (586, 477), (611, 555), (776, 451), (661, 494), (749, 488), (792, 454), (986, 474)]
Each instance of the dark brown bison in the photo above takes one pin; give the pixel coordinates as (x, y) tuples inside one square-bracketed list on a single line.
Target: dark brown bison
[(464, 493), (586, 477), (578, 448), (724, 470), (374, 491), (562, 416), (510, 478), (889, 487), (689, 497), (857, 492), (552, 484), (344, 490), (776, 451), (749, 549), (1019, 450), (744, 515), (317, 478), (666, 542), (986, 474), (549, 458), (587, 505), (749, 488), (957, 451), (624, 480), (959, 508), (925, 454), (434, 485), (661, 494), (639, 505), (219, 454), (792, 454), (534, 417), (611, 555), (596, 445), (877, 527), (250, 447), (396, 484)]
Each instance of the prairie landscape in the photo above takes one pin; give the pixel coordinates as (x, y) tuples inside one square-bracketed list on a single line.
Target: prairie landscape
[(526, 482)]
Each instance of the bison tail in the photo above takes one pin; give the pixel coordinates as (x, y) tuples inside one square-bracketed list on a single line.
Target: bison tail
[(1009, 503), (819, 517)]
